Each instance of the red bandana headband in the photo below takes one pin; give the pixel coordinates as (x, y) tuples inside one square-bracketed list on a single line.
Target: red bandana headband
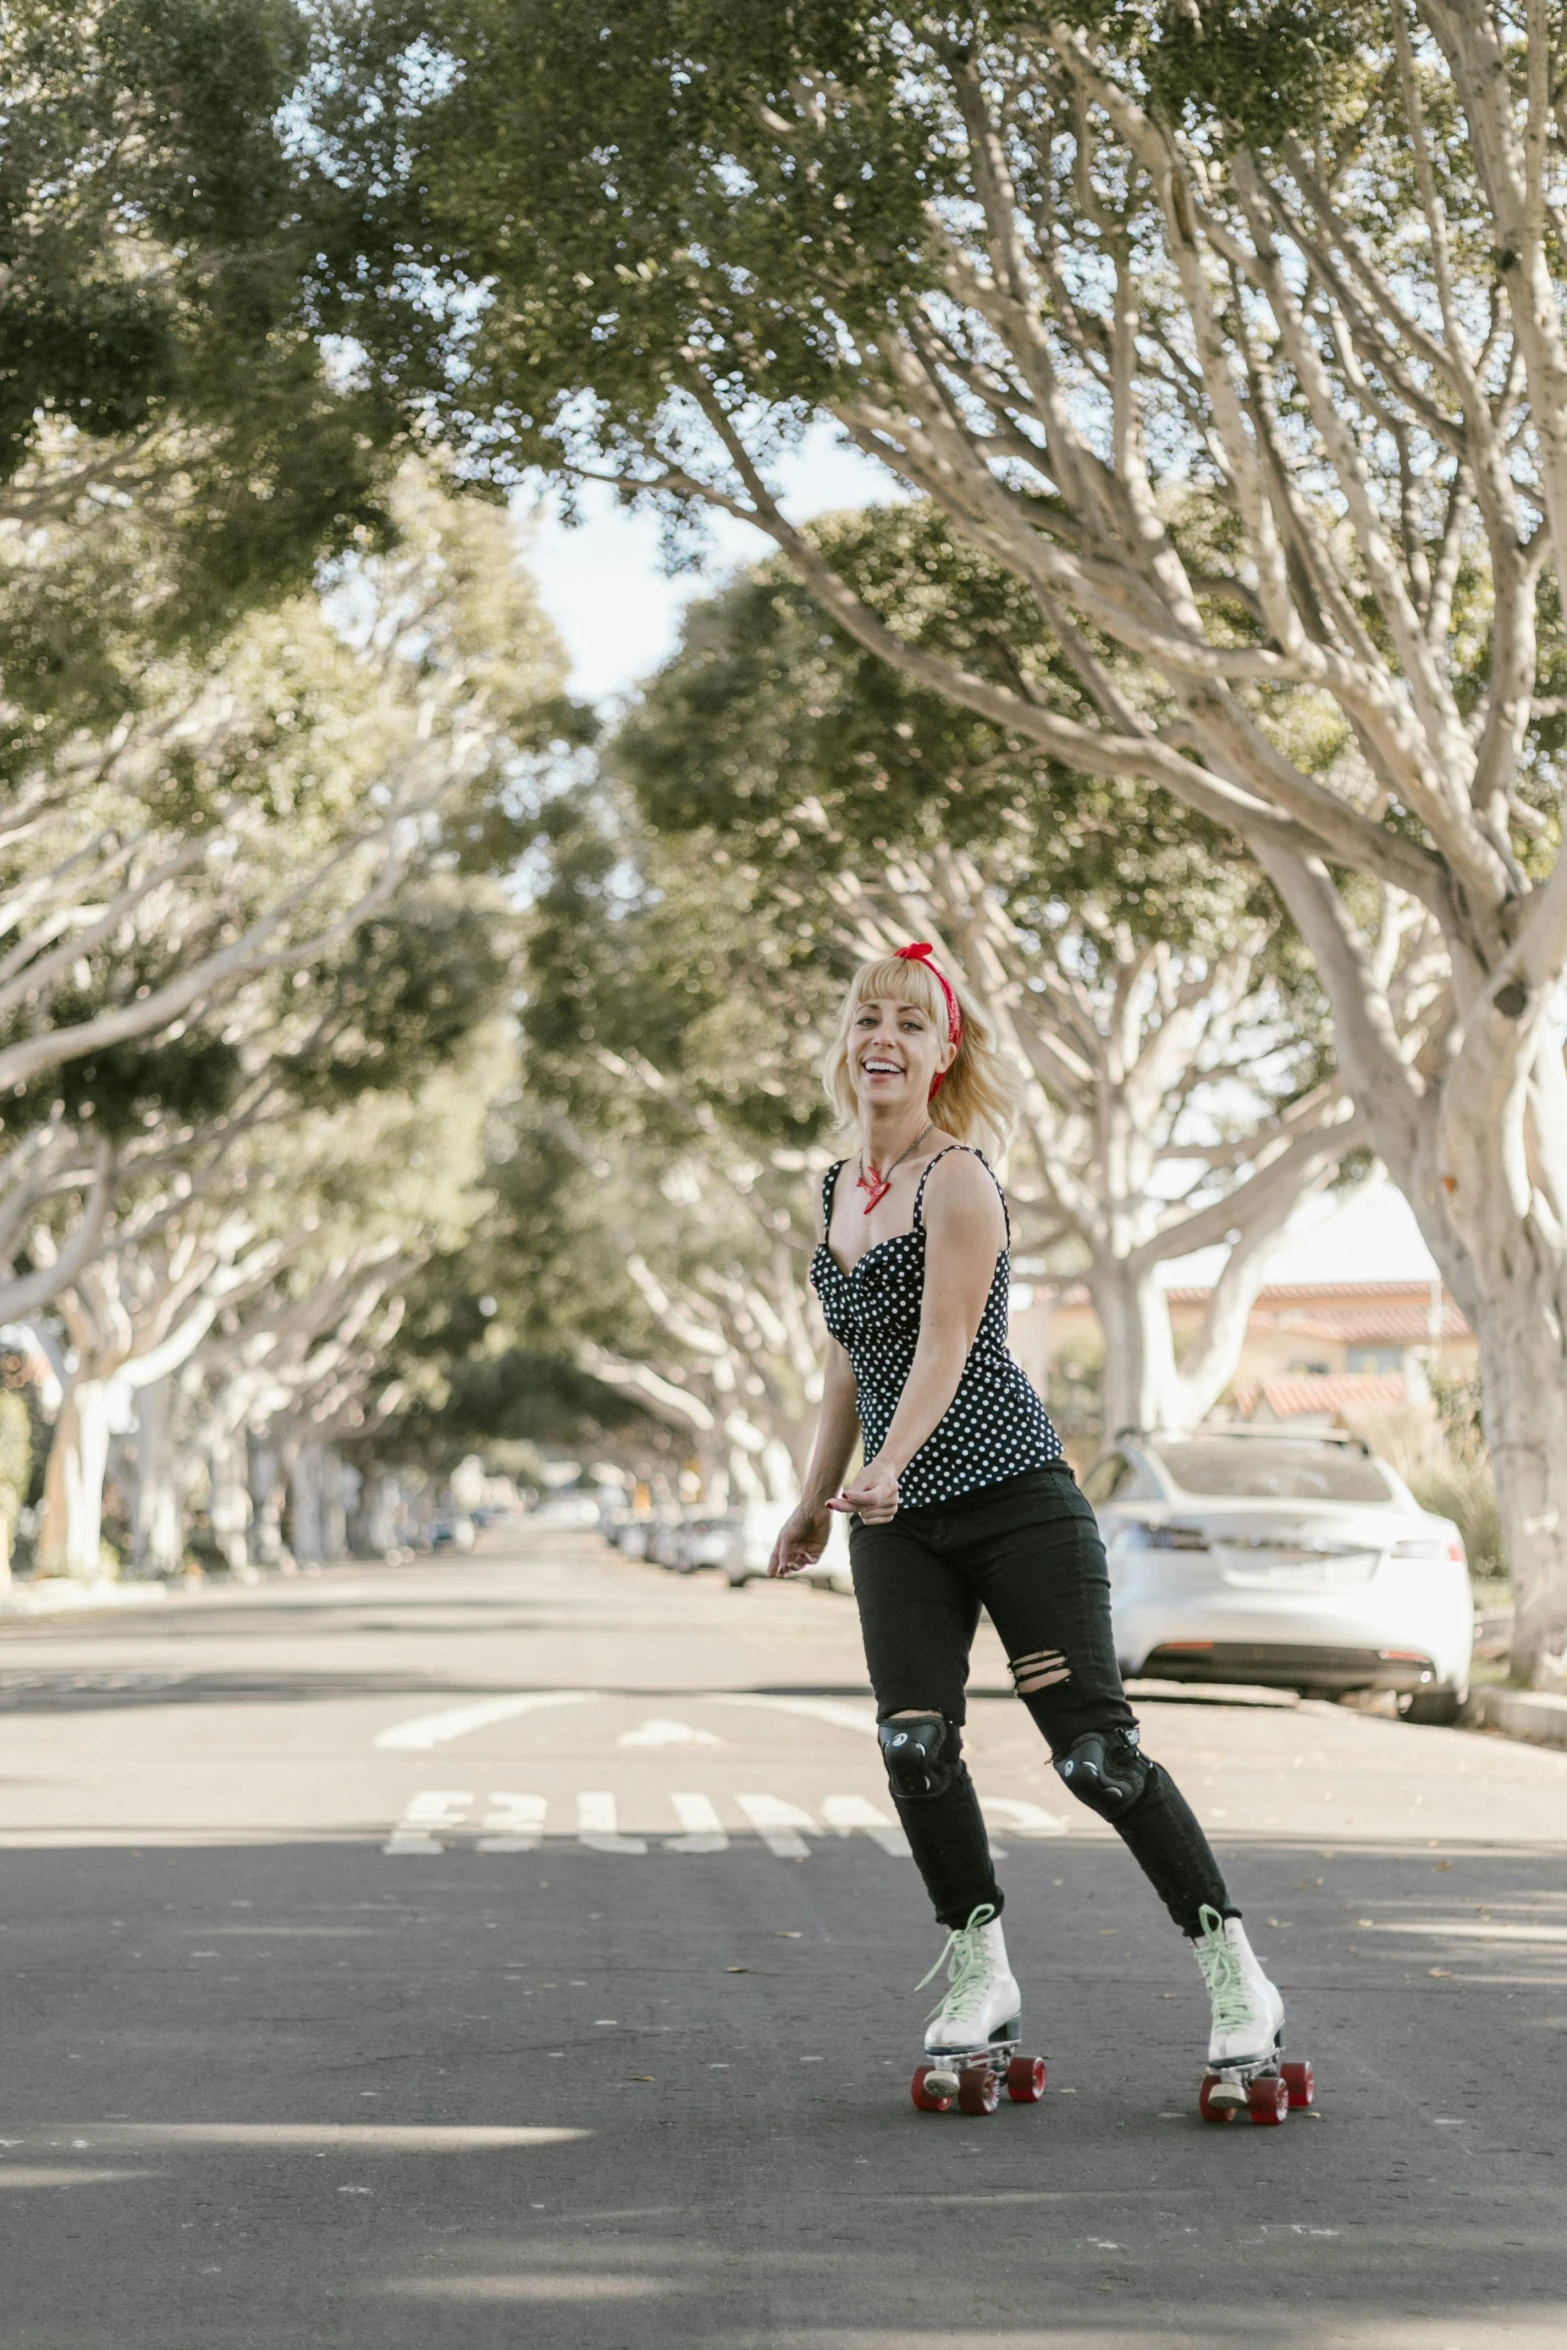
[(922, 952)]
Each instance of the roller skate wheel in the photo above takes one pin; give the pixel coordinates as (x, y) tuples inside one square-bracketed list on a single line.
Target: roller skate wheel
[(931, 2100), (979, 2089), (1026, 2079), (1268, 2099), (1300, 2083), (1220, 2107)]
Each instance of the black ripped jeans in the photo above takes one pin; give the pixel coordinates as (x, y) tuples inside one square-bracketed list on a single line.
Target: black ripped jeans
[(1028, 1551)]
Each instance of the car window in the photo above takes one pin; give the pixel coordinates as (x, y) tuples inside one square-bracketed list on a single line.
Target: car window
[(1285, 1469), (1108, 1477)]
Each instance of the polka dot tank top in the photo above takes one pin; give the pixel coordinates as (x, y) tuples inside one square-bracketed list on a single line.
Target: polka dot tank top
[(995, 1425)]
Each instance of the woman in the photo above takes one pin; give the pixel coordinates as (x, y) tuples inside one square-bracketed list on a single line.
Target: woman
[(965, 1501)]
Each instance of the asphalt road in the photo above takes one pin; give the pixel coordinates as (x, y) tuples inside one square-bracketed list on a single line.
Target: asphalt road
[(518, 1951)]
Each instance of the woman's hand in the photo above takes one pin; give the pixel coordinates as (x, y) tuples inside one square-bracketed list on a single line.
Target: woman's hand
[(801, 1541), (873, 1495)]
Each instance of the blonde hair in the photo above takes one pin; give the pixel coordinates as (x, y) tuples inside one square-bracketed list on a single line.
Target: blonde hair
[(977, 1099)]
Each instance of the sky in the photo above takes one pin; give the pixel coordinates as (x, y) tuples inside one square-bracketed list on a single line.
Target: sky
[(619, 617), (602, 584)]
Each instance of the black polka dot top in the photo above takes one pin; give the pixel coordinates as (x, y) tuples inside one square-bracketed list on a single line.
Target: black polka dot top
[(995, 1425)]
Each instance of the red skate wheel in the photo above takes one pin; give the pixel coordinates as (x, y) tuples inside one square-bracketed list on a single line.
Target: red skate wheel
[(979, 2089), (1269, 2099), (1026, 2079), (923, 2097), (1205, 2105), (1300, 2084)]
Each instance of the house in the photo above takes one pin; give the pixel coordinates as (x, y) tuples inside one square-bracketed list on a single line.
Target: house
[(1315, 1351)]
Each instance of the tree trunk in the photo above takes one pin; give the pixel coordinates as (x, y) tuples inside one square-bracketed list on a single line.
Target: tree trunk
[(307, 1497), (230, 1502), (1140, 1389), (341, 1486), (779, 1473), (71, 1540), (158, 1531), (268, 1489), (380, 1512), (1523, 1365)]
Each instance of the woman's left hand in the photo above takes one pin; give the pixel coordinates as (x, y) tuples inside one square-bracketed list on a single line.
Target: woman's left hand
[(872, 1497)]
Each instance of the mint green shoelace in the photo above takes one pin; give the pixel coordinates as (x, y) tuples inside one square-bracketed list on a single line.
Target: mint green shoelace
[(1221, 1971), (966, 1962)]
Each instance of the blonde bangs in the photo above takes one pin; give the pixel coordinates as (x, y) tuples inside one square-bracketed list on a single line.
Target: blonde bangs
[(977, 1100), (903, 982)]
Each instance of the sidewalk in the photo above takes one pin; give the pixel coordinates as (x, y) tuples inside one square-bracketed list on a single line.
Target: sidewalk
[(60, 1595), (1530, 1714)]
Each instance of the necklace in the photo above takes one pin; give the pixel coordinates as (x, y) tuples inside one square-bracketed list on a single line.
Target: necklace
[(879, 1185)]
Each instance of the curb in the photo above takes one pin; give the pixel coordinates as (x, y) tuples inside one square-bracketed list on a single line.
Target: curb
[(1530, 1714), (60, 1597)]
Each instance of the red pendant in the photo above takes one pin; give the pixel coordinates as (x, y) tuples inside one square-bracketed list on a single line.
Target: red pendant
[(877, 1185)]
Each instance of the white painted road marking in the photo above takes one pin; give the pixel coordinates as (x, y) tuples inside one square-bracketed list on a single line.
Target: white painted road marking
[(1024, 1819), (846, 1813), (816, 1709), (433, 1808), (704, 1830), (357, 2137), (1473, 1933), (429, 1730), (661, 1733), (513, 1823), (597, 1827), (778, 1824), (518, 1823)]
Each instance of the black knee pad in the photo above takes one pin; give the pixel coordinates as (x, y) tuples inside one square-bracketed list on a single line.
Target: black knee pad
[(923, 1754), (1105, 1770)]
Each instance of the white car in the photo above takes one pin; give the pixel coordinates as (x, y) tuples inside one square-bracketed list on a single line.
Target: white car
[(758, 1531), (707, 1539), (1293, 1562)]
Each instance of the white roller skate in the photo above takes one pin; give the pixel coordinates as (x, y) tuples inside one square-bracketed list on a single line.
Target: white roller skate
[(971, 2040), (1246, 2071)]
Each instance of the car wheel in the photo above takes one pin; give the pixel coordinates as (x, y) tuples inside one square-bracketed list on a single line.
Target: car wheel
[(1438, 1706)]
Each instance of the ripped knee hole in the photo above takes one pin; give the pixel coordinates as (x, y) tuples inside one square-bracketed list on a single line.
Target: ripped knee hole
[(1042, 1670)]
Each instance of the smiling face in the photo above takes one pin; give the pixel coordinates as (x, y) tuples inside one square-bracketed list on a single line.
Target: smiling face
[(895, 1053)]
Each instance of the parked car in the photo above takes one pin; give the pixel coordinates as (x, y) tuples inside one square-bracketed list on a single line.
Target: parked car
[(758, 1531), (567, 1509), (707, 1539), (662, 1545), (1293, 1562)]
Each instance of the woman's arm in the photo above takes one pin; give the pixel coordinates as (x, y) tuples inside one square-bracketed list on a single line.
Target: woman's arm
[(965, 1231)]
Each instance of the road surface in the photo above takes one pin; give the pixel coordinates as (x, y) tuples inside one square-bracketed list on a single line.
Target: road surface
[(520, 1950)]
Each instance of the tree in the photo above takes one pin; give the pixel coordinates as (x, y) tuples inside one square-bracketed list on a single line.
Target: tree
[(16, 1462), (268, 795), (243, 866), (1236, 338), (1179, 1096), (304, 919), (131, 1320), (165, 337), (338, 1208), (665, 1265)]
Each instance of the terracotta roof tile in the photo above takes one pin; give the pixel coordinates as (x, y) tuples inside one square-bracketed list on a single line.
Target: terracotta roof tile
[(1343, 1391)]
